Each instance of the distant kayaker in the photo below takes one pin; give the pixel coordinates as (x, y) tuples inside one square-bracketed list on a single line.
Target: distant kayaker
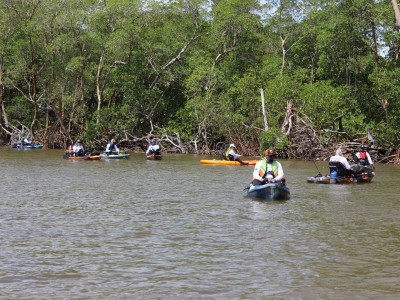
[(27, 141), (341, 164), (268, 170), (112, 147), (363, 158), (78, 148), (231, 154), (153, 148)]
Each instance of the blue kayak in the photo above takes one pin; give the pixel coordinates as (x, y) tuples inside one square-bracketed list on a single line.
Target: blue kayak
[(268, 192), (20, 145)]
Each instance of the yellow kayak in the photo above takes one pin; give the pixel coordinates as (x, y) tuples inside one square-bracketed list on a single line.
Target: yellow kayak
[(226, 162)]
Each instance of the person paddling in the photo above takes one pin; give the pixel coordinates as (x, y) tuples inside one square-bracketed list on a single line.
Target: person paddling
[(232, 155), (268, 170), (112, 147), (363, 158), (153, 148)]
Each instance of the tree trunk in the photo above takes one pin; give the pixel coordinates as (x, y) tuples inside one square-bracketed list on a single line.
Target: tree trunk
[(98, 88), (397, 24), (3, 115), (34, 88), (263, 110)]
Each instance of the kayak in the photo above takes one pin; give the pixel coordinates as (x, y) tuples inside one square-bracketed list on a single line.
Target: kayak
[(359, 178), (268, 192), (120, 155), (360, 174), (85, 157), (226, 162), (19, 145), (153, 156)]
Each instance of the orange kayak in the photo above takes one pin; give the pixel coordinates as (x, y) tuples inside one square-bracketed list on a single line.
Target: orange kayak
[(87, 157), (226, 162)]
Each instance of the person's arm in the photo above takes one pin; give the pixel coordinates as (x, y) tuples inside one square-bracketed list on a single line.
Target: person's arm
[(108, 148), (234, 154), (280, 172), (346, 163), (370, 160), (256, 172)]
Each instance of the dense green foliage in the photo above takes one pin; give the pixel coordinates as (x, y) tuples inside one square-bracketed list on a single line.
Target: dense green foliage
[(193, 69)]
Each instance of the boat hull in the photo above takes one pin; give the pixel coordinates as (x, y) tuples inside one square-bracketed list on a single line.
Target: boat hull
[(226, 162), (19, 145), (86, 157), (360, 174), (114, 156), (153, 156), (268, 192), (361, 178)]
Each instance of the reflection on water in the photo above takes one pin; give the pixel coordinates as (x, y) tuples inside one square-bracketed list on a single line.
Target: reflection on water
[(174, 228)]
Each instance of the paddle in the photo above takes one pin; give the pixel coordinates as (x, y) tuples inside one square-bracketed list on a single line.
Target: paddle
[(319, 173)]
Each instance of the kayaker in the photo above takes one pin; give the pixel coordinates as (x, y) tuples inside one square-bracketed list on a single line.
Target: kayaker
[(27, 141), (78, 148), (340, 162), (232, 155), (112, 147), (268, 170), (363, 158), (153, 148)]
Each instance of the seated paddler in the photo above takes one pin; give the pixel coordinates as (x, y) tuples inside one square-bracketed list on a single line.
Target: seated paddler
[(153, 148), (338, 165), (232, 155), (268, 169)]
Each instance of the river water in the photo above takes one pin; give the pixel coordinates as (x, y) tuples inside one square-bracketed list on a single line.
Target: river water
[(138, 229)]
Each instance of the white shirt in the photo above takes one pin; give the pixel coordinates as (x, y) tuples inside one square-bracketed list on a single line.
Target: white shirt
[(153, 148), (257, 168), (108, 148), (341, 159), (368, 157), (234, 154), (76, 148)]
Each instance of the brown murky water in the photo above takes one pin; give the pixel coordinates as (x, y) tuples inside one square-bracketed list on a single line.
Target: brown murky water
[(137, 229)]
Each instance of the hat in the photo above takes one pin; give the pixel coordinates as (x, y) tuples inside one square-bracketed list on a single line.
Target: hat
[(112, 141), (270, 152), (232, 145), (78, 141)]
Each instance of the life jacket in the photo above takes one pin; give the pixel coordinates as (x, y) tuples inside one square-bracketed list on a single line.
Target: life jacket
[(227, 153), (363, 159), (263, 169), (112, 147)]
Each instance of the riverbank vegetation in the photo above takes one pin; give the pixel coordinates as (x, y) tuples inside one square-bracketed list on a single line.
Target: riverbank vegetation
[(301, 76)]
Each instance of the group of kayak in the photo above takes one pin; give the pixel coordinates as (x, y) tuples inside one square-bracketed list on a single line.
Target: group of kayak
[(269, 182), (78, 152)]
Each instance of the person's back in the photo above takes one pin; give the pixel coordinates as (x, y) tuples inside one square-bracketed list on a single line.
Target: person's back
[(339, 164), (363, 158)]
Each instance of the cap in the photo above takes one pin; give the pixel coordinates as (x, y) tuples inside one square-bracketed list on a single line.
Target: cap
[(78, 141), (232, 145), (270, 152)]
